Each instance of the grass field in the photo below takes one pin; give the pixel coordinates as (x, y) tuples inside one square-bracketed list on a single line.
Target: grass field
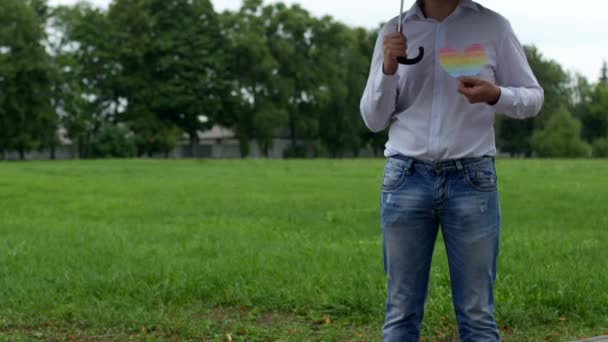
[(274, 250)]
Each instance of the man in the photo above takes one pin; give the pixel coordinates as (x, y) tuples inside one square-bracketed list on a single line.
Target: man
[(440, 170)]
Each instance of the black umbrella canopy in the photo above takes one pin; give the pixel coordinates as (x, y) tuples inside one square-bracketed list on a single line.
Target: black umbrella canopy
[(405, 60)]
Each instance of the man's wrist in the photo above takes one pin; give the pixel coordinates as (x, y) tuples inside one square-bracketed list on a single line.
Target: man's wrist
[(388, 72), (496, 97)]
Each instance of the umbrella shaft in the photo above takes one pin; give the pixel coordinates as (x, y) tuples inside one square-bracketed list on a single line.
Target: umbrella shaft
[(399, 25)]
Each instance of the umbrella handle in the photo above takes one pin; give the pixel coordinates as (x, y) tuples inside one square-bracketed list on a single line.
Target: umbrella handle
[(405, 60), (412, 61)]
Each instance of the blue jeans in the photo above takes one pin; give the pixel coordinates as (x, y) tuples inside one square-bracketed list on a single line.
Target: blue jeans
[(461, 197)]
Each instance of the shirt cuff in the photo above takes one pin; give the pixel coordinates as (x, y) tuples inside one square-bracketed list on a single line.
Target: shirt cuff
[(506, 100), (386, 82)]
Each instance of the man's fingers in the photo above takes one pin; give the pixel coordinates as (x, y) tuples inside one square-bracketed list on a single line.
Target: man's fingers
[(462, 88), (395, 45), (395, 54), (399, 49), (395, 50), (464, 91), (397, 37), (471, 81), (472, 92)]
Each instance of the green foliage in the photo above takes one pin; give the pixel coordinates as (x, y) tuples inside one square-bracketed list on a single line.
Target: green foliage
[(514, 136), (152, 135), (172, 70), (27, 120), (185, 59), (85, 66), (291, 41), (344, 55), (258, 111), (298, 76), (297, 151), (600, 148), (560, 138), (169, 69), (593, 112), (112, 141)]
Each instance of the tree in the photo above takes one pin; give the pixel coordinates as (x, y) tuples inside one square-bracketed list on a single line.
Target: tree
[(604, 74), (258, 109), (290, 37), (6, 74), (112, 141), (25, 112), (342, 55), (600, 148), (590, 105), (172, 75), (86, 68), (560, 138), (186, 56), (594, 114), (132, 23)]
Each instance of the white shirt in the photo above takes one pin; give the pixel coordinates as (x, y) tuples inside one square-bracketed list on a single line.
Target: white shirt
[(427, 116)]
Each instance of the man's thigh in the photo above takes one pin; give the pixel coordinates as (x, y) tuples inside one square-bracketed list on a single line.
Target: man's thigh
[(409, 225), (470, 224)]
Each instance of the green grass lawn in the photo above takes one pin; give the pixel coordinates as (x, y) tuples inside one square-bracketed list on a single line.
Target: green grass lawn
[(153, 250)]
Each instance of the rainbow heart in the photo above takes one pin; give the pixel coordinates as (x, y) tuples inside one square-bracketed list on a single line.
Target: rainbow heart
[(468, 63)]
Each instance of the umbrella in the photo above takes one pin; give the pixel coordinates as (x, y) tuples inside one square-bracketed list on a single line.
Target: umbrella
[(405, 60)]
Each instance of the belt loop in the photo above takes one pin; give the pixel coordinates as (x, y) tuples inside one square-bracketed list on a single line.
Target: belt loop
[(408, 164), (459, 166)]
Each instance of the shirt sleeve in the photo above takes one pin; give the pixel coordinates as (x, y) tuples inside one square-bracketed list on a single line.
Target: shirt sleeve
[(521, 95), (380, 95)]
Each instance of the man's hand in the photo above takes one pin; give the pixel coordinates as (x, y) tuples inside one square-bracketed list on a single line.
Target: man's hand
[(395, 45), (477, 90)]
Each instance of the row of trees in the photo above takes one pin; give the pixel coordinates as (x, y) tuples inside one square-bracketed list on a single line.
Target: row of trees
[(136, 78)]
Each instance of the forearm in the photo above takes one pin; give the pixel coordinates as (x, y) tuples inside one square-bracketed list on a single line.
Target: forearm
[(520, 102), (379, 99), (380, 96)]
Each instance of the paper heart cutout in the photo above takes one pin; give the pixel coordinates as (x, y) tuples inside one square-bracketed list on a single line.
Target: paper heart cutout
[(467, 63)]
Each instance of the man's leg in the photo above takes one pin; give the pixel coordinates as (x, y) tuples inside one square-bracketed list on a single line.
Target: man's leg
[(409, 231), (471, 226)]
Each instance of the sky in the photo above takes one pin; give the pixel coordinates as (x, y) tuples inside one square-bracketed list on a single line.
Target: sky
[(574, 33)]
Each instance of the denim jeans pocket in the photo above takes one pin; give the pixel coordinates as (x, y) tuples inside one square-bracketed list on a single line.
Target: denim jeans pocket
[(483, 177), (395, 174)]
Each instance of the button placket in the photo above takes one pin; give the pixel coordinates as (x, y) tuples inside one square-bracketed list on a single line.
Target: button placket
[(433, 122)]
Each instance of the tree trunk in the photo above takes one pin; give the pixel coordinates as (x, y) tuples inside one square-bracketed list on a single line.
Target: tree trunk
[(21, 154), (244, 147), (53, 152), (292, 130), (80, 148), (194, 144)]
